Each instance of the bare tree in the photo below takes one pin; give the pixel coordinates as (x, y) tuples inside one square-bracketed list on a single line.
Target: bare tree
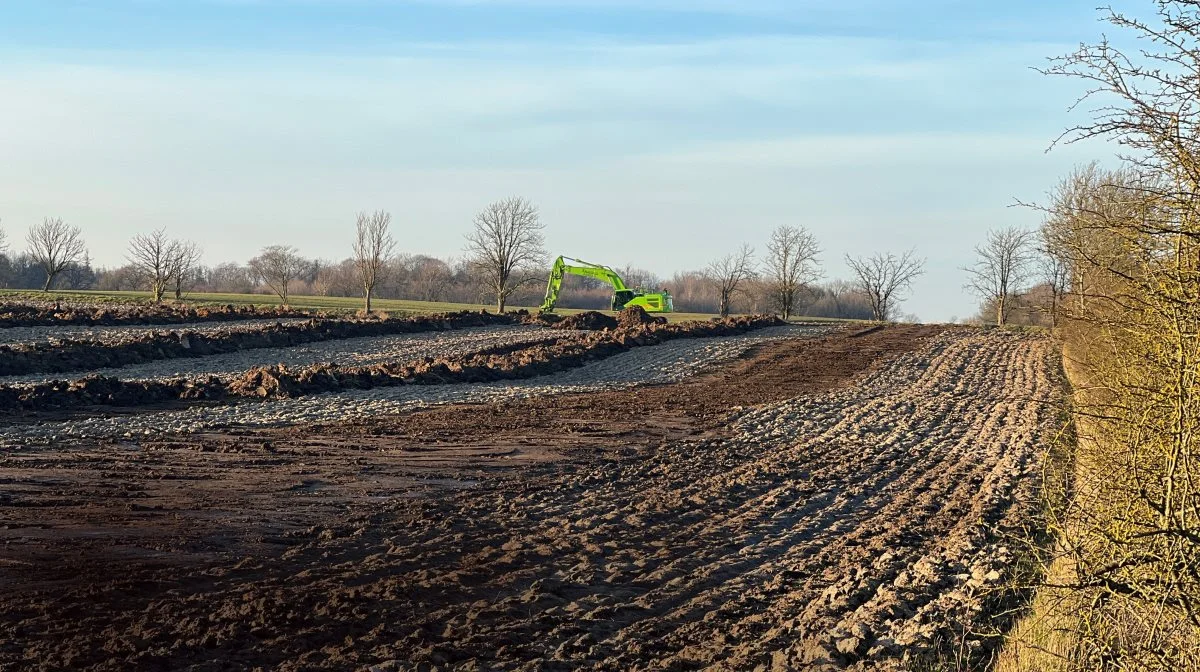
[(1056, 274), (791, 264), (3, 242), (839, 292), (1002, 265), (183, 265), (373, 246), (324, 276), (78, 274), (429, 278), (883, 278), (728, 274), (505, 245), (151, 255), (54, 245), (277, 266)]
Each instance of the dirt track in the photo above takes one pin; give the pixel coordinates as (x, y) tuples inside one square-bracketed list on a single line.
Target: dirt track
[(849, 513)]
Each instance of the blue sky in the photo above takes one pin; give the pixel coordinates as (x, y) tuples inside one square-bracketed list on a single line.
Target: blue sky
[(654, 132)]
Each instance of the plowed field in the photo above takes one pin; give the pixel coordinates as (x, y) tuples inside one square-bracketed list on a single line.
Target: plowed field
[(801, 500)]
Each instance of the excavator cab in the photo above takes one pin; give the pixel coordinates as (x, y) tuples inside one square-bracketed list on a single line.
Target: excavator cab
[(622, 297)]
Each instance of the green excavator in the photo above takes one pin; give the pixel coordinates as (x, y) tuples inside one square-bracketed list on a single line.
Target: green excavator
[(623, 297)]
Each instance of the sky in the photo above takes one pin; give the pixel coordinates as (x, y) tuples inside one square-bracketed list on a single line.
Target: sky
[(658, 133)]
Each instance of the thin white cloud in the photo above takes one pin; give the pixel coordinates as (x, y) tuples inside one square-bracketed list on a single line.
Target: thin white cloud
[(879, 149)]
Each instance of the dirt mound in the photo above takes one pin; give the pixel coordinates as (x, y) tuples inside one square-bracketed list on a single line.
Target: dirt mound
[(636, 316), (263, 381), (590, 321)]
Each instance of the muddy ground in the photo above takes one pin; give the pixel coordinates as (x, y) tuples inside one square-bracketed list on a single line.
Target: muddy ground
[(840, 502)]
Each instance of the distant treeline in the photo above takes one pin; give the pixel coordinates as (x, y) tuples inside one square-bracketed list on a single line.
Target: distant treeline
[(424, 278)]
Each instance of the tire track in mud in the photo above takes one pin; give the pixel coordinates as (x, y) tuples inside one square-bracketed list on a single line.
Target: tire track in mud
[(852, 528)]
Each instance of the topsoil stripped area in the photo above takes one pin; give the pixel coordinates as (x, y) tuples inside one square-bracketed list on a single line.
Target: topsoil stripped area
[(835, 502)]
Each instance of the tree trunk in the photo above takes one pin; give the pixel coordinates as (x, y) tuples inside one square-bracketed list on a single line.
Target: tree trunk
[(158, 293), (49, 279), (367, 300), (500, 302), (1000, 311), (724, 307)]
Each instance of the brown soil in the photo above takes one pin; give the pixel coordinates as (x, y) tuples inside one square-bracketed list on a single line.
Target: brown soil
[(50, 314), (636, 315), (590, 320), (614, 531)]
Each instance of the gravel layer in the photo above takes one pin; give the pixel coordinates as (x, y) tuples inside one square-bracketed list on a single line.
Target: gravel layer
[(669, 362), (346, 352), (115, 335)]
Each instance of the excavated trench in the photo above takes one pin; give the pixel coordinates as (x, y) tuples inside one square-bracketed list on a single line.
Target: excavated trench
[(55, 314), (67, 355), (502, 363), (63, 355)]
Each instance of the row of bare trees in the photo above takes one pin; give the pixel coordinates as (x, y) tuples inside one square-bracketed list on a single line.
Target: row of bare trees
[(505, 251), (162, 262), (791, 266), (505, 254), (505, 247)]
